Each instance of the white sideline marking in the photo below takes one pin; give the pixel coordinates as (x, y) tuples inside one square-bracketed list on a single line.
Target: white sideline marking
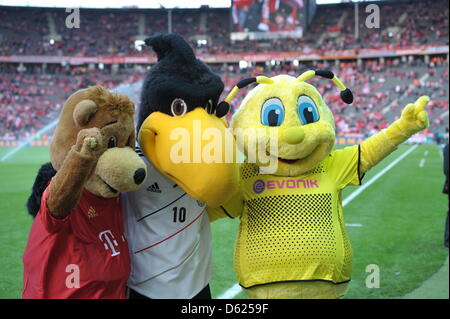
[(422, 162), (374, 179), (28, 140), (426, 153), (353, 225), (236, 288), (231, 293)]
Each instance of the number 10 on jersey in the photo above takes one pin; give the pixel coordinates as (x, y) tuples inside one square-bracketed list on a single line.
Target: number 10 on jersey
[(179, 214)]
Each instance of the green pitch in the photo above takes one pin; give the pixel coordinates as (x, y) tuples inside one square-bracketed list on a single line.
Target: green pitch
[(400, 223)]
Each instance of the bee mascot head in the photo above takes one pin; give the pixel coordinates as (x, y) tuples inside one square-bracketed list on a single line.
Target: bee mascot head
[(292, 111), (181, 128)]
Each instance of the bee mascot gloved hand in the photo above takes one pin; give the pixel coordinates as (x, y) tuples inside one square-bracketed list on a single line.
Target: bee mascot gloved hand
[(76, 247), (292, 241), (184, 141)]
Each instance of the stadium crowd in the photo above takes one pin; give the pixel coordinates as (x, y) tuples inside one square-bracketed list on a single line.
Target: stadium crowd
[(31, 98), (113, 32), (32, 94), (381, 90)]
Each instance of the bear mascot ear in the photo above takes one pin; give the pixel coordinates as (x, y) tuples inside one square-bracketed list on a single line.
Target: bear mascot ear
[(84, 111)]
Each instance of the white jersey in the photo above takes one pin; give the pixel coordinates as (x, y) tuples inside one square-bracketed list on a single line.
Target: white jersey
[(169, 238)]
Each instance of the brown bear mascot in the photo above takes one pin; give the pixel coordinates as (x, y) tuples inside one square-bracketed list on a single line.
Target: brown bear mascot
[(77, 247)]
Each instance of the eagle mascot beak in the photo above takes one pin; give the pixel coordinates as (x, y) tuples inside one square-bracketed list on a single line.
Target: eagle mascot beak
[(181, 130)]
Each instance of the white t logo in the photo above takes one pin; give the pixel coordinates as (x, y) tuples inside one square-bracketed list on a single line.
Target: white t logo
[(107, 238)]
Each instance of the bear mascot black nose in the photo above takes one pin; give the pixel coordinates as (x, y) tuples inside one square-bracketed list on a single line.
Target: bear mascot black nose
[(139, 175)]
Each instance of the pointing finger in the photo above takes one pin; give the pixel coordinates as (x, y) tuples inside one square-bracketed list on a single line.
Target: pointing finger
[(421, 103)]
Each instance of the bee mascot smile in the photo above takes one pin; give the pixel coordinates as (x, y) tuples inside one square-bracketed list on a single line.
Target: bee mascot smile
[(292, 241)]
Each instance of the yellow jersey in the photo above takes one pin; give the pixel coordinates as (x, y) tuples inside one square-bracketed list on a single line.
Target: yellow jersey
[(292, 228)]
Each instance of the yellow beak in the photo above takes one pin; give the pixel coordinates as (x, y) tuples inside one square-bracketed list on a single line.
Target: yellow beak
[(195, 150)]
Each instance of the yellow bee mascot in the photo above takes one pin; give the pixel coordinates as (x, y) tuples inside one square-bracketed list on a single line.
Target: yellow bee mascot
[(292, 242)]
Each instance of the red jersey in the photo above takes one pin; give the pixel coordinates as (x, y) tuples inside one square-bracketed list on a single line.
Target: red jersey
[(84, 255)]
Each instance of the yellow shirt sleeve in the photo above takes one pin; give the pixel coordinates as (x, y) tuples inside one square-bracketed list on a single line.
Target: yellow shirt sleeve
[(343, 166)]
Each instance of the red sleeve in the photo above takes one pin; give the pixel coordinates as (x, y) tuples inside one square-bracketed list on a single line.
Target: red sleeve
[(51, 224)]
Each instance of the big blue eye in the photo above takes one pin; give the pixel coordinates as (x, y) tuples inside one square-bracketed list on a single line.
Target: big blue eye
[(272, 112), (307, 110)]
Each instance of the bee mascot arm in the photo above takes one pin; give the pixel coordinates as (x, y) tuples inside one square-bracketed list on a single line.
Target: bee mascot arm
[(413, 119), (233, 208)]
